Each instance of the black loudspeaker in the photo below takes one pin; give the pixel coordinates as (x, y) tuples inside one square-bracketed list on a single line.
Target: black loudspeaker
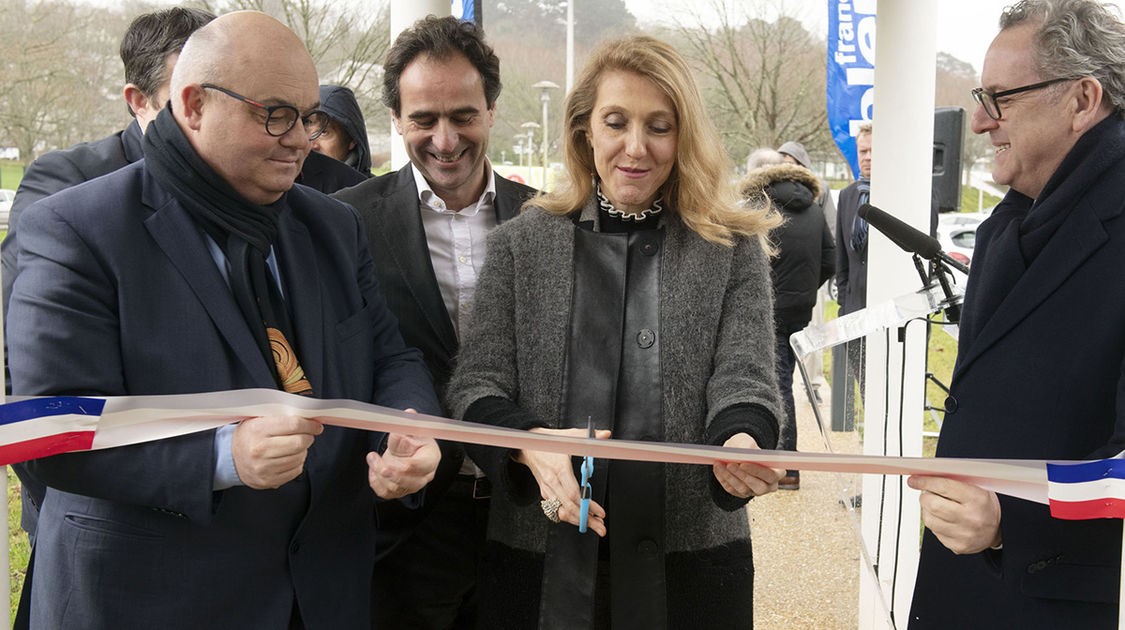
[(949, 138)]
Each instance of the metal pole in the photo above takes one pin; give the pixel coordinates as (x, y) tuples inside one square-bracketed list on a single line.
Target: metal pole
[(530, 127), (546, 99), (569, 45)]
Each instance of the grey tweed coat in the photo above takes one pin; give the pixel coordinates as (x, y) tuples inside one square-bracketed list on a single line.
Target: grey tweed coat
[(717, 351)]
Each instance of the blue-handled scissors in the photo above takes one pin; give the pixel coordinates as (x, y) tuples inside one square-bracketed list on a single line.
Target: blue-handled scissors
[(587, 472)]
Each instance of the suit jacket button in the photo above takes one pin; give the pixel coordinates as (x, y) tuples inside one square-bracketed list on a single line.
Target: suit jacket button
[(950, 404), (647, 548), (295, 547), (646, 338)]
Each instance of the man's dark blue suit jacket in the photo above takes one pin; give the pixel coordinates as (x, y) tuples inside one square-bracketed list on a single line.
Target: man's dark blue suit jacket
[(119, 295)]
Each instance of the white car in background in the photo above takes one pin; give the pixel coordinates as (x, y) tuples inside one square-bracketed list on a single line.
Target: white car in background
[(6, 197), (957, 233)]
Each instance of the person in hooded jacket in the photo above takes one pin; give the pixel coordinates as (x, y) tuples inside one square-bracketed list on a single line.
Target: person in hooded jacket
[(795, 153), (346, 136), (806, 260)]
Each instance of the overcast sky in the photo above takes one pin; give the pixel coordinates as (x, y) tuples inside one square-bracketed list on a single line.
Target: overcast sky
[(965, 27)]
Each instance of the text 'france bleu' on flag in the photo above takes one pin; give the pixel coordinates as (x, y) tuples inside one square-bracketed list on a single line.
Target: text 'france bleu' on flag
[(39, 427), (1087, 490)]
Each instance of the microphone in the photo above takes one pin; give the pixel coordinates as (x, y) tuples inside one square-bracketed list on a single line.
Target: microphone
[(907, 237)]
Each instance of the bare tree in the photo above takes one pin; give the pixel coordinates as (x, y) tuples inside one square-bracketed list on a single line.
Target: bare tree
[(529, 36), (348, 42), (765, 80), (61, 77)]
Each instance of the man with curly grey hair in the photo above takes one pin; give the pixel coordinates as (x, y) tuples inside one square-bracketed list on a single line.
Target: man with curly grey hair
[(1042, 343)]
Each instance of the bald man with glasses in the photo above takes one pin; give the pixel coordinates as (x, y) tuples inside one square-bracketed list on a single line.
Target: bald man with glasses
[(204, 268)]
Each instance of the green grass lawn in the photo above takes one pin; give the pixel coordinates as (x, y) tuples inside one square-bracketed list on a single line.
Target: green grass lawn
[(970, 197), (10, 174), (18, 547), (941, 353)]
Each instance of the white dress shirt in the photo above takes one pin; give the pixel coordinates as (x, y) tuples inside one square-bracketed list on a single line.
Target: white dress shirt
[(456, 239)]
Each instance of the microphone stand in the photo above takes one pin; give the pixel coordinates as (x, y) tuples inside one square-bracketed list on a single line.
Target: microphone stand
[(941, 271), (921, 268)]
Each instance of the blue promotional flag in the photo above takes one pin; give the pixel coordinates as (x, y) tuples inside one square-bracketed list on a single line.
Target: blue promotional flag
[(851, 72), (464, 10)]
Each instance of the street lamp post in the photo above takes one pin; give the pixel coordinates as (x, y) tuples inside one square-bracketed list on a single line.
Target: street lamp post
[(530, 127), (545, 98)]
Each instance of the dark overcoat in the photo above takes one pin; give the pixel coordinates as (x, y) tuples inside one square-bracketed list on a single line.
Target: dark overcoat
[(1041, 379), (119, 295)]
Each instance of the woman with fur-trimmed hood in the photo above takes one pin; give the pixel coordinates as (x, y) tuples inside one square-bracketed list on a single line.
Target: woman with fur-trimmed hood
[(806, 260)]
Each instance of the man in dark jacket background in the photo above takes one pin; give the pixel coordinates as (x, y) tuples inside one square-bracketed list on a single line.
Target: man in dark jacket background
[(806, 261)]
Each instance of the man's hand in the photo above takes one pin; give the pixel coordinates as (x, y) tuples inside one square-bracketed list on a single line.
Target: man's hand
[(406, 467), (269, 451), (965, 518), (745, 479)]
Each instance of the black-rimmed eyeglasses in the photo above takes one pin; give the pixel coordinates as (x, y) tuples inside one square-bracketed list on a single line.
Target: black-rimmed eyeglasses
[(988, 100), (281, 118)]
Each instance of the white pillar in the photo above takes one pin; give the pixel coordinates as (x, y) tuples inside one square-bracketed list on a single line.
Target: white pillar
[(404, 13), (901, 171)]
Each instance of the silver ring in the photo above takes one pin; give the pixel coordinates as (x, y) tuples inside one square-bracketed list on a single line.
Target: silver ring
[(551, 509)]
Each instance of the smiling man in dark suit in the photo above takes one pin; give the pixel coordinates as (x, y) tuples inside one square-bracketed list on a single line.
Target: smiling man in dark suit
[(427, 225), (1041, 351), (204, 268)]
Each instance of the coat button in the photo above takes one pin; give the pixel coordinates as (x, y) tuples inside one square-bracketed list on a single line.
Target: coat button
[(649, 248), (647, 548), (950, 404), (1037, 567), (295, 547), (646, 338)]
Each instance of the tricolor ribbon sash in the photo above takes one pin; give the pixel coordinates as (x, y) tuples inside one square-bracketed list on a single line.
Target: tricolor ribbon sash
[(1087, 490), (37, 427)]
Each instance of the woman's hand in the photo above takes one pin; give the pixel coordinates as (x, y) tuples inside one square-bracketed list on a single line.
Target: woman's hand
[(555, 476), (745, 479)]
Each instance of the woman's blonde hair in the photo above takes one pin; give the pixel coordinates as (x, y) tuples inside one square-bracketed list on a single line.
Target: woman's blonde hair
[(700, 187)]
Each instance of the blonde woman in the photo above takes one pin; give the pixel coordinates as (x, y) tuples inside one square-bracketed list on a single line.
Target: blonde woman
[(638, 295)]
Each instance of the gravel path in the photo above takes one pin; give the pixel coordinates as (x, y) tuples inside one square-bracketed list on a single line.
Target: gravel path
[(806, 547)]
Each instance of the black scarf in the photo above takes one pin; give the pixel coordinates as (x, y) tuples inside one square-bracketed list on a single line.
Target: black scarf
[(244, 231), (1009, 241)]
